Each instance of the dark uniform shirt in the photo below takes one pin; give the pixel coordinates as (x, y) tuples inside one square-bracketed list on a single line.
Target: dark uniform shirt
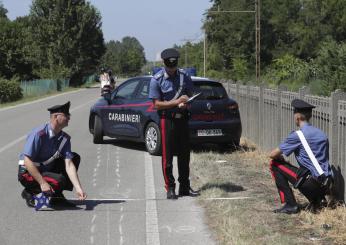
[(318, 143), (41, 144), (164, 87)]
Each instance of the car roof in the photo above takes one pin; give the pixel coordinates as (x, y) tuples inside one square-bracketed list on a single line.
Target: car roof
[(193, 78)]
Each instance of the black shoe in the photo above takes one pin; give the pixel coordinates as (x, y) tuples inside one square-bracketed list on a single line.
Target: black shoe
[(61, 201), (28, 198), (188, 192), (287, 209), (171, 194)]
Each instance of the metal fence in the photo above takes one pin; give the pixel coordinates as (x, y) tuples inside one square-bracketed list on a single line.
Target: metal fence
[(267, 118), (43, 86)]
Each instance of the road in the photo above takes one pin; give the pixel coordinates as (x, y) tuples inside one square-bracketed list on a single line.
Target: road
[(126, 200)]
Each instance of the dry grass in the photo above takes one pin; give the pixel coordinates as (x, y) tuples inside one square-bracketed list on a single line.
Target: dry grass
[(245, 173)]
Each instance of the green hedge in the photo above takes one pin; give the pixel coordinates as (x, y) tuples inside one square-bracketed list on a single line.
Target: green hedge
[(10, 90)]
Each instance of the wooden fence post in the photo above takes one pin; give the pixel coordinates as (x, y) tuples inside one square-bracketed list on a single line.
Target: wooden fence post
[(333, 125)]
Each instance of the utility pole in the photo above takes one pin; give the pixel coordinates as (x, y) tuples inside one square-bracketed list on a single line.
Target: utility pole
[(204, 54), (258, 40), (257, 33)]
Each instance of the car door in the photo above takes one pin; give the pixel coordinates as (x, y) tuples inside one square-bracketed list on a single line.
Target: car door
[(120, 119)]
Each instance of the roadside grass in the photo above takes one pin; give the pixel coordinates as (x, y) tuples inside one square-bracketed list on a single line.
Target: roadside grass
[(245, 173)]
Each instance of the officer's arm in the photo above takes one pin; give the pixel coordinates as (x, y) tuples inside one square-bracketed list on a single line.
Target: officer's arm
[(33, 171), (276, 154), (161, 105), (73, 176)]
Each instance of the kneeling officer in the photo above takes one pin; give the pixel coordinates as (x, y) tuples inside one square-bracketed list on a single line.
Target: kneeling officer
[(314, 175), (47, 163)]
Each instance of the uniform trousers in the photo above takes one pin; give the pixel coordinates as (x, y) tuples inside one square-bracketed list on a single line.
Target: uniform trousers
[(57, 177), (175, 140), (284, 173)]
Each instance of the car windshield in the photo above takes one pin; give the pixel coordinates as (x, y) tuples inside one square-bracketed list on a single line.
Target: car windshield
[(210, 91)]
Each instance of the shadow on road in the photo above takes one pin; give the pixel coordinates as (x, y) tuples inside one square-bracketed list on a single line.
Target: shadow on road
[(91, 204), (227, 187)]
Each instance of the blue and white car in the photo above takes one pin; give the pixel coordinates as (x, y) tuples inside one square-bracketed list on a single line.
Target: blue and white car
[(128, 114)]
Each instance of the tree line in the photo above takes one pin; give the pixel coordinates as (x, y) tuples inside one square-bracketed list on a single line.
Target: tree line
[(62, 39), (303, 42)]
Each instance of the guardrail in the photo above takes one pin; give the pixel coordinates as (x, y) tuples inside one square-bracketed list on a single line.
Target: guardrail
[(267, 118)]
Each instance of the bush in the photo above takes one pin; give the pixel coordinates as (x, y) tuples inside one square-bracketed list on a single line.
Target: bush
[(10, 90)]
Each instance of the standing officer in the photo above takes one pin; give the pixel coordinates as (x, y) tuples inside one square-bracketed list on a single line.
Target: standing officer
[(47, 163), (170, 89), (310, 146)]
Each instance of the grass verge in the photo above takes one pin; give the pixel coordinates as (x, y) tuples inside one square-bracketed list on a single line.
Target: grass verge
[(245, 173)]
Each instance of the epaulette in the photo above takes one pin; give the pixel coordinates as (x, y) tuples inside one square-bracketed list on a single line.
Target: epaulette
[(182, 71), (159, 74)]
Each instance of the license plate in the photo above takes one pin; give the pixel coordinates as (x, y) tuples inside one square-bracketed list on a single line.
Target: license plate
[(209, 132)]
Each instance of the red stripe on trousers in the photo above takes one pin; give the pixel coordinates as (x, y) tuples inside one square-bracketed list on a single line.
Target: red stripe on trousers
[(164, 151), (285, 169), (282, 196), (52, 181)]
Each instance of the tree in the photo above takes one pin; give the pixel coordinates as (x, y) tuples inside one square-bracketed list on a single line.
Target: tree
[(132, 56), (14, 50), (67, 38), (3, 11)]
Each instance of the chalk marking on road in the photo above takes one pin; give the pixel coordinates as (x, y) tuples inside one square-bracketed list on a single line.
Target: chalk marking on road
[(91, 239), (152, 228), (108, 213), (9, 145), (93, 219)]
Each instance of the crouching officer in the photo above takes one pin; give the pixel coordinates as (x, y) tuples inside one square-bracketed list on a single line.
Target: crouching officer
[(314, 175), (47, 163), (170, 89)]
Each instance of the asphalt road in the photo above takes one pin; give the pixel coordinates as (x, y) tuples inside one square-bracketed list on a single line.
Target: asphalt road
[(126, 200)]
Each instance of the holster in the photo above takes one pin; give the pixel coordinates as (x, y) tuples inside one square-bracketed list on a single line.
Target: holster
[(302, 175)]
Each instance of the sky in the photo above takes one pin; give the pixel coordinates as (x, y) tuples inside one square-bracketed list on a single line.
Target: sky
[(157, 24)]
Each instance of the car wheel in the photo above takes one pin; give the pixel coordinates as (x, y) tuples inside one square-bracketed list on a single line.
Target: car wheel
[(152, 139), (98, 130)]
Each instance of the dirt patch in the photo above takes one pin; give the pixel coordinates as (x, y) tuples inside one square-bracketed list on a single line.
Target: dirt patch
[(245, 214)]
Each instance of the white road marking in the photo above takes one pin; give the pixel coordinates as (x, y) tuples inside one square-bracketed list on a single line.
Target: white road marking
[(39, 100), (12, 143), (152, 228)]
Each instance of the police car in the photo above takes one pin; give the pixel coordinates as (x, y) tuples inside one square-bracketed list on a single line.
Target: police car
[(128, 114)]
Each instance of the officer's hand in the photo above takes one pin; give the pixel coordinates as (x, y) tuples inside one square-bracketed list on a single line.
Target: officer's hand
[(183, 99), (182, 106), (45, 187), (81, 194)]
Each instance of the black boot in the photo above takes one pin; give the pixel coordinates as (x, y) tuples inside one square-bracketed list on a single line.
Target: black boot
[(287, 209), (28, 198), (171, 194), (188, 191)]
